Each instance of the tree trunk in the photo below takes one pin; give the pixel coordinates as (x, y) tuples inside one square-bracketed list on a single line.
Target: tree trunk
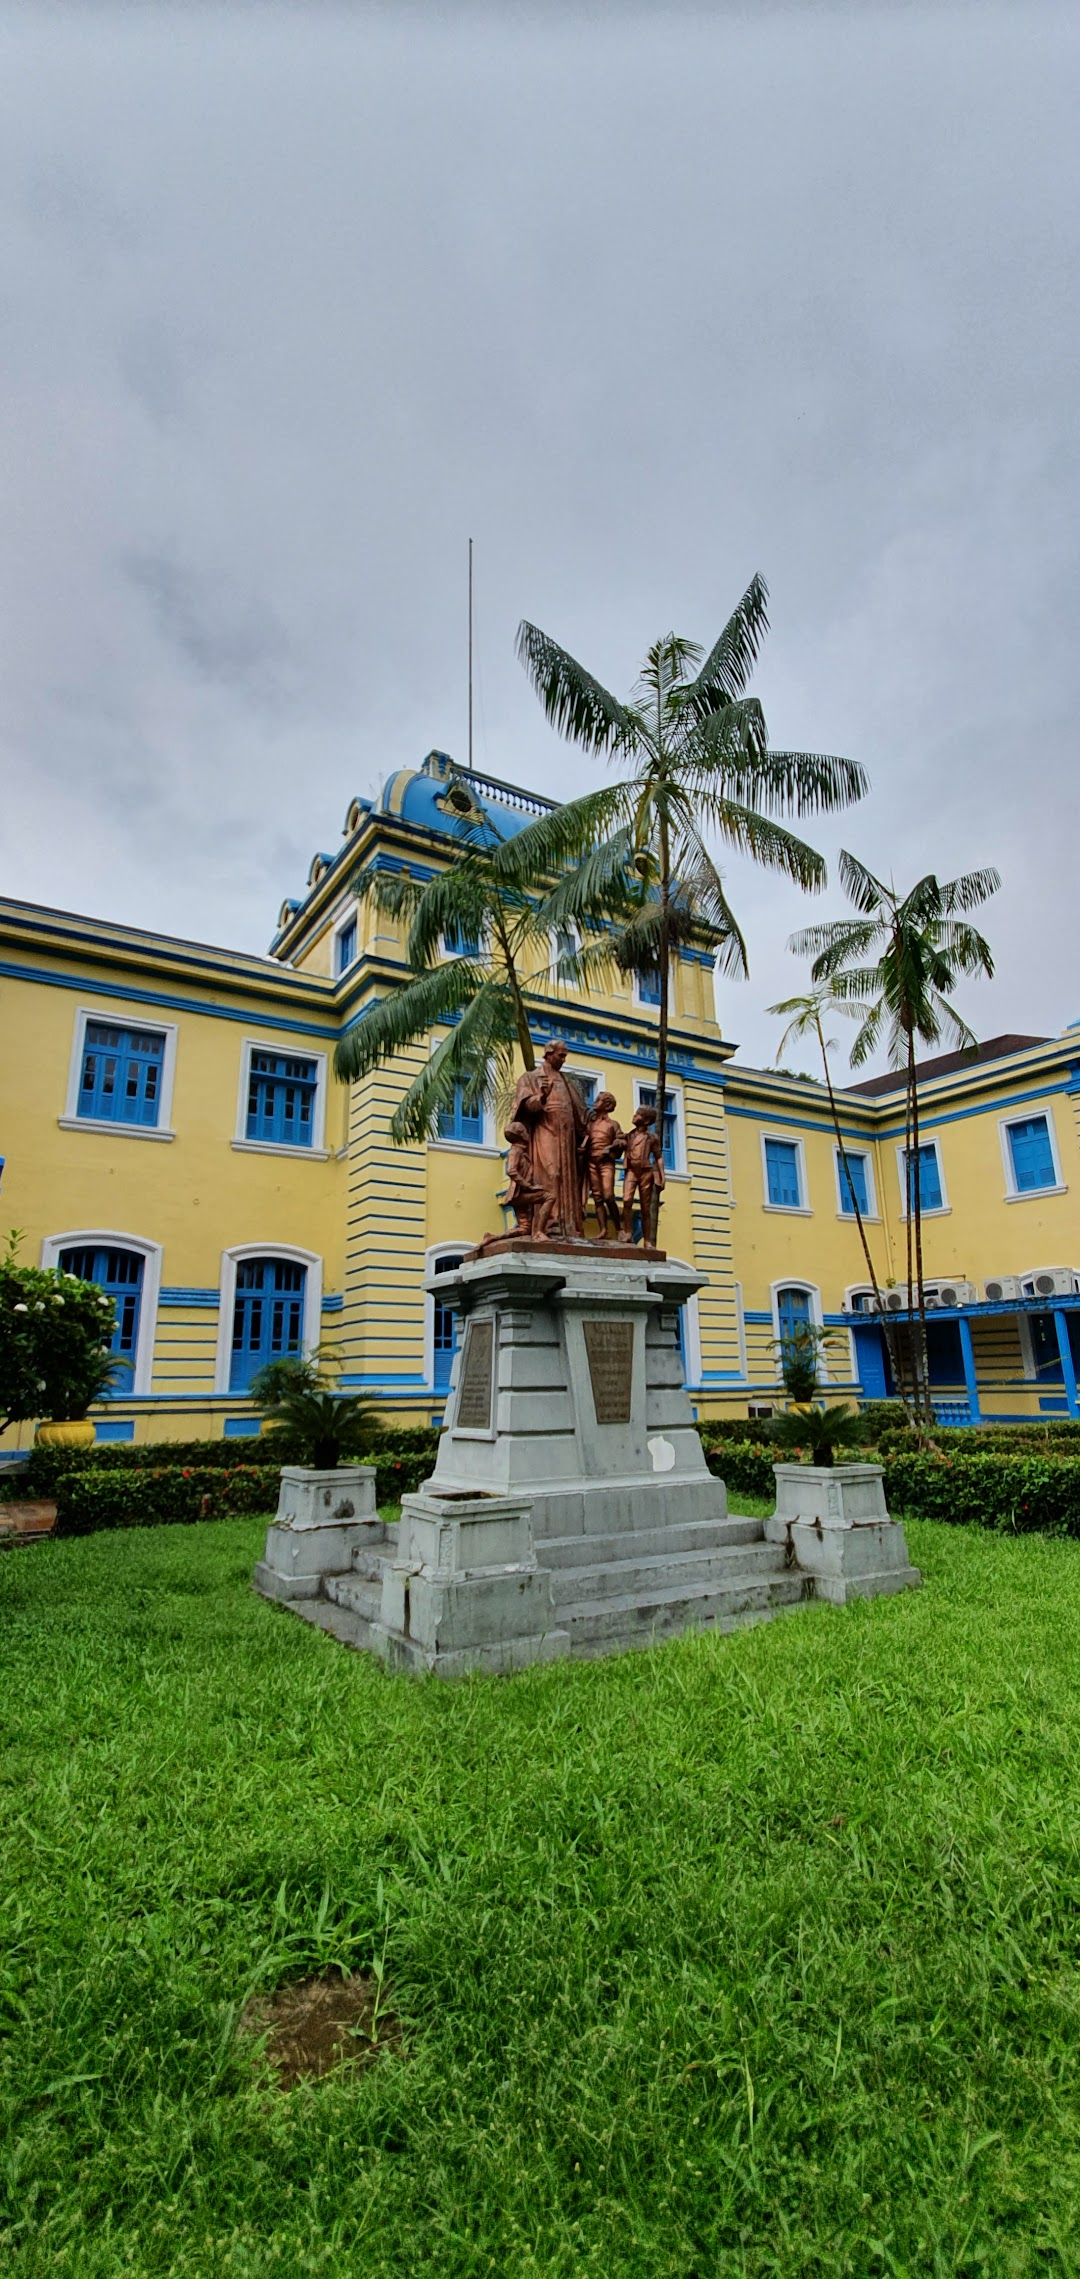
[(915, 1206), (521, 1019), (650, 1232), (887, 1328)]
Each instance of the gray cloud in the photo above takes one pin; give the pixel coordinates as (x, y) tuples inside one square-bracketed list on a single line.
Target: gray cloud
[(643, 301)]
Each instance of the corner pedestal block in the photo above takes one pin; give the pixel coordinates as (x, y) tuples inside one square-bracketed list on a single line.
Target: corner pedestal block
[(322, 1519), (465, 1591), (837, 1531)]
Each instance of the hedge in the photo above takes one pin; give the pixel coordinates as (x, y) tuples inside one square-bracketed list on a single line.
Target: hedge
[(1025, 1494), (168, 1494), (413, 1449)]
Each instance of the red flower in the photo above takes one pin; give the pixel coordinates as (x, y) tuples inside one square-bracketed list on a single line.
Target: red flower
[(187, 1472)]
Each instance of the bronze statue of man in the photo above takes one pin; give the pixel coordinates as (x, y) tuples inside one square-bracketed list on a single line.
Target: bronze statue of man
[(551, 1109)]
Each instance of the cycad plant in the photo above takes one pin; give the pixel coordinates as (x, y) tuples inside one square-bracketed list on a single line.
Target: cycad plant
[(899, 959), (820, 1430), (296, 1397), (696, 760), (480, 954)]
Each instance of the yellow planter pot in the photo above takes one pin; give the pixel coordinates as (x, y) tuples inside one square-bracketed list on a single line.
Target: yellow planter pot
[(73, 1432)]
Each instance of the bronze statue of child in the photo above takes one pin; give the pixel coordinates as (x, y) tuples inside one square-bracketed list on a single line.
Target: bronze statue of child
[(530, 1204), (644, 1173), (603, 1145)]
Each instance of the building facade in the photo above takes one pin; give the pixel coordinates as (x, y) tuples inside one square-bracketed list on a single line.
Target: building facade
[(172, 1128)]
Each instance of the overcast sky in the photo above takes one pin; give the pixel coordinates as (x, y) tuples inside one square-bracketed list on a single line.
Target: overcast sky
[(297, 300)]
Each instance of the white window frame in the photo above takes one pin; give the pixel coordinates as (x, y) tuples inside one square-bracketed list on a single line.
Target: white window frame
[(594, 1076), (740, 1330), (692, 1329), (435, 1251), (568, 927), (857, 1290), (120, 1016), (348, 915), (675, 1090), (817, 1317), (1013, 1193), (318, 1152), (939, 1210), (151, 1254), (801, 1210), (871, 1216), (313, 1289)]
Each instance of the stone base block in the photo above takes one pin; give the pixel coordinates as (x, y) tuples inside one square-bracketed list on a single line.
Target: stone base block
[(829, 1497), (296, 1558), (325, 1499), (465, 1592), (854, 1562)]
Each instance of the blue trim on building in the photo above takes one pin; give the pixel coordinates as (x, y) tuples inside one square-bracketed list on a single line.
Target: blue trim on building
[(131, 995), (175, 1295), (334, 1304)]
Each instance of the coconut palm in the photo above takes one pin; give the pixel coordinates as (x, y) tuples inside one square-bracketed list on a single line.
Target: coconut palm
[(697, 761), (921, 945), (805, 1017), (479, 949)]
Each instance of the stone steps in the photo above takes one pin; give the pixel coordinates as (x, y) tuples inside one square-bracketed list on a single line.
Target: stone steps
[(646, 1542), (355, 1594), (604, 1625), (630, 1576)]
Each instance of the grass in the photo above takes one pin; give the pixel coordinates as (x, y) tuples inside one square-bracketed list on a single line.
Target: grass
[(748, 1955)]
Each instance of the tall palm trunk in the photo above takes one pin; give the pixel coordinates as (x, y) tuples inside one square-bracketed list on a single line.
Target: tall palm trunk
[(922, 1364), (888, 1329), (521, 1018), (662, 1031)]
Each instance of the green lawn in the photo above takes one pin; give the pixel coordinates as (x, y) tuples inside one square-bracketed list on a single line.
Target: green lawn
[(748, 1955)]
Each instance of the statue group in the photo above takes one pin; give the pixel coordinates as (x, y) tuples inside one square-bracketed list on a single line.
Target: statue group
[(563, 1156)]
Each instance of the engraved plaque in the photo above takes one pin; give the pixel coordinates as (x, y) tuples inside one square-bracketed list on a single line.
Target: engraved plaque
[(610, 1349), (474, 1392)]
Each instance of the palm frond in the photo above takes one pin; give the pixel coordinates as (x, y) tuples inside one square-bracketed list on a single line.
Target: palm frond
[(967, 892), (395, 1021), (732, 658), (765, 842), (806, 783), (455, 906), (578, 706), (861, 887), (395, 893), (473, 1056), (537, 854)]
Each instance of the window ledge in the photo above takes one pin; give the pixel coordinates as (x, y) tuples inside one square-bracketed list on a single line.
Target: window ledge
[(939, 1211), (1035, 1194), (105, 1124), (869, 1218), (790, 1210), (281, 1147), (467, 1147)]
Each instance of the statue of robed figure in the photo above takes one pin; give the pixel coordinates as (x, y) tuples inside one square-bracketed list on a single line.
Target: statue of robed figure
[(551, 1109)]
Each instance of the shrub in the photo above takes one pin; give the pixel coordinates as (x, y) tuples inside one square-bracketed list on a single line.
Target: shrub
[(54, 1334), (1024, 1494), (413, 1448), (175, 1495), (745, 1468)]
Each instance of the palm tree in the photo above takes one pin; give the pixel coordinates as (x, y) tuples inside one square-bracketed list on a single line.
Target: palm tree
[(924, 945), (698, 760), (492, 911), (805, 1016)]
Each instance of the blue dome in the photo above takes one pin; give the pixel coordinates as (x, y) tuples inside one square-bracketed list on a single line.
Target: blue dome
[(420, 796)]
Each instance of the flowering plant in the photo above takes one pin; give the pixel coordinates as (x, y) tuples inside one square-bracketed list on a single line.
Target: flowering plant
[(55, 1333)]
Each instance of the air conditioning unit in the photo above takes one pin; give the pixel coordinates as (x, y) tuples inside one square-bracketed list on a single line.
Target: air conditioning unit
[(1050, 1282), (938, 1294), (1002, 1286), (898, 1301)]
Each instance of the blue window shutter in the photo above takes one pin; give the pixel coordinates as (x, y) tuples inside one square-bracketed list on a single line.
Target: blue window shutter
[(462, 1123), (1032, 1155), (119, 1273), (345, 947), (120, 1080), (782, 1167), (647, 1099), (648, 987), (268, 1316), (929, 1177), (446, 1328), (281, 1099), (792, 1311), (871, 1364), (458, 943), (853, 1182)]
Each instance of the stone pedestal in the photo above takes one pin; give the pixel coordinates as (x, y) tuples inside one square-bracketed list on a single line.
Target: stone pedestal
[(464, 1591), (322, 1518), (835, 1526), (568, 1388)]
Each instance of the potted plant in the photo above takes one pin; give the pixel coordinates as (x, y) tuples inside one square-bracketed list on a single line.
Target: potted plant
[(94, 1380), (819, 1430), (326, 1507), (832, 1518)]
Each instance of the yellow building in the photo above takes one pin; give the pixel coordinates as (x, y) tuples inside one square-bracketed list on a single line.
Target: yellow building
[(173, 1129)]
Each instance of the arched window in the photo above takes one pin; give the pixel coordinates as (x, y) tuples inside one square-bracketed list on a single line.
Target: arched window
[(792, 1313), (120, 1274), (268, 1316)]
